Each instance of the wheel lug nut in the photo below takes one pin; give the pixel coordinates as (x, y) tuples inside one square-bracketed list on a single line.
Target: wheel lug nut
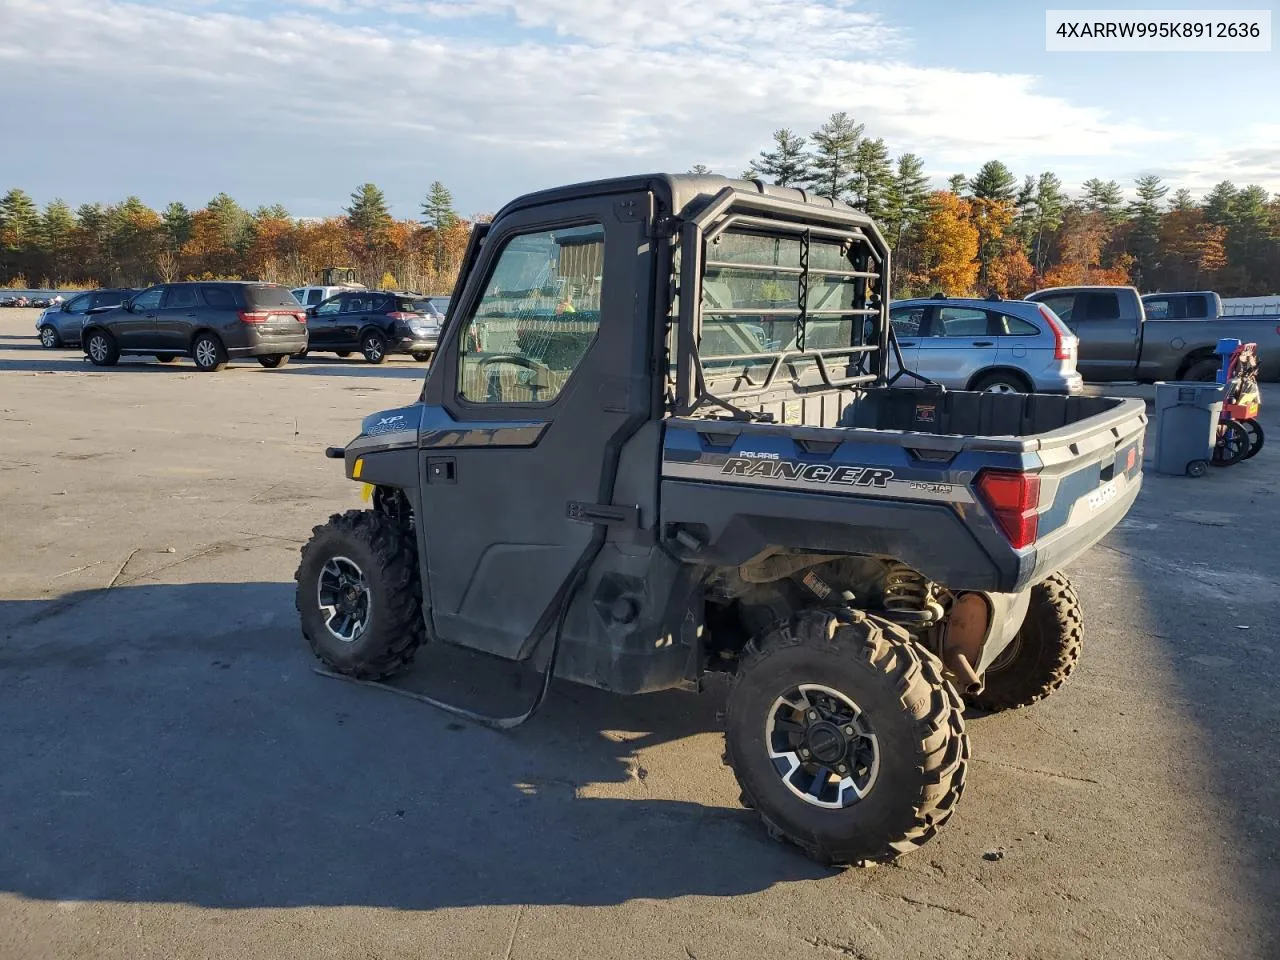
[(804, 753), (841, 768), (813, 714), (848, 731)]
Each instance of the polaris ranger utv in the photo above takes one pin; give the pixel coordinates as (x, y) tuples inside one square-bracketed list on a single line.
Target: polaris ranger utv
[(660, 438)]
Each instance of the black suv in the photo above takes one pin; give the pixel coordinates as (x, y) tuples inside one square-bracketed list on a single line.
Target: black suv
[(59, 326), (211, 322), (375, 322)]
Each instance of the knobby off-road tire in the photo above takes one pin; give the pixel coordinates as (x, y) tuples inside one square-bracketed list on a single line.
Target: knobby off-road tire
[(908, 748), (384, 556), (1043, 654)]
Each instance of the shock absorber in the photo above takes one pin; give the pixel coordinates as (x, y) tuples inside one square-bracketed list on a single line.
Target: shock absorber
[(909, 597)]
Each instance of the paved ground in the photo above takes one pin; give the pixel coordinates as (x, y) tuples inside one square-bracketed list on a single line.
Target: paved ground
[(176, 782)]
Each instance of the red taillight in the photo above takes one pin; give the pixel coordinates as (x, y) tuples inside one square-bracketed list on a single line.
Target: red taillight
[(1012, 499), (253, 316), (1064, 341), (401, 315)]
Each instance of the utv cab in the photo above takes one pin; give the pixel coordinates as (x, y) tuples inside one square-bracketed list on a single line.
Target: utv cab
[(660, 439)]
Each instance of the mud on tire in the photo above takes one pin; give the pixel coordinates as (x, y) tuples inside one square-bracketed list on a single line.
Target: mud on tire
[(385, 556), (907, 713), (1043, 654)]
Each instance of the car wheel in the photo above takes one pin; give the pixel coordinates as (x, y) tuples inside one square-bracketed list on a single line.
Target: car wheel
[(165, 357), (49, 338), (101, 349), (1203, 371), (359, 595), (422, 357), (374, 347), (1001, 382), (301, 354), (279, 360), (845, 737), (209, 353), (344, 354)]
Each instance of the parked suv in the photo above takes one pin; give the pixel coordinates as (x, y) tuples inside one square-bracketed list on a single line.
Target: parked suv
[(996, 346), (209, 322), (59, 325), (375, 322)]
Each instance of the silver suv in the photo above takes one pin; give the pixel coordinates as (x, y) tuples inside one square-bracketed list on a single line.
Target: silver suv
[(999, 346)]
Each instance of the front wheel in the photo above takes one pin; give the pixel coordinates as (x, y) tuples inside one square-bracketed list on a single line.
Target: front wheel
[(279, 360), (49, 338), (374, 347), (359, 595), (101, 348), (845, 737), (1043, 653)]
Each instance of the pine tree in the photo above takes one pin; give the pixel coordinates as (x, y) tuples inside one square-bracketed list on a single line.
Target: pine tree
[(368, 212), (1049, 205), (835, 150), (19, 233), (234, 223), (906, 200), (177, 224), (701, 170), (437, 209), (1182, 201), (787, 164), (872, 176), (57, 235), (957, 183), (994, 181), (1218, 203), (1145, 214), (1024, 217), (1105, 198)]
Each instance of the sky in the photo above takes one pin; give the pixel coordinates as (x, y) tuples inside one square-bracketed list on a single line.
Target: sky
[(299, 101)]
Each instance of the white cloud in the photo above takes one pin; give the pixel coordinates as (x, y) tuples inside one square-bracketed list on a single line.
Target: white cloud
[(580, 88)]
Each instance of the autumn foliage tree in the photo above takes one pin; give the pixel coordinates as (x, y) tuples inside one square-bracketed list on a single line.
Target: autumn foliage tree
[(949, 244)]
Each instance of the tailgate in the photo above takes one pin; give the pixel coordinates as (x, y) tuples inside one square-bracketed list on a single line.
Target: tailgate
[(1089, 476)]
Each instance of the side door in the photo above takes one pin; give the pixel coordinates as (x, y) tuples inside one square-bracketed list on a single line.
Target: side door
[(908, 323), (958, 343), (351, 320), (70, 316), (322, 324), (1109, 335), (177, 317), (520, 436), (135, 328)]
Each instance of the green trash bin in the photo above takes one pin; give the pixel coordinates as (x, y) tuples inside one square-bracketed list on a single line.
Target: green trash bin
[(1187, 414)]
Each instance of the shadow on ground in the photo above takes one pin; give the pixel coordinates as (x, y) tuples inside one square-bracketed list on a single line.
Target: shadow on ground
[(62, 361), (172, 744)]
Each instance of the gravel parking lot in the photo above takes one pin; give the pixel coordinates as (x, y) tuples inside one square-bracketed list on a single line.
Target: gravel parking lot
[(176, 782)]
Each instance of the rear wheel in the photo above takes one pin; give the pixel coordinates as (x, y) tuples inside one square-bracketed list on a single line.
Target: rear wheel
[(1002, 381), (845, 738), (209, 353), (1203, 371), (279, 360), (422, 357), (374, 347), (1256, 437), (101, 349), (49, 338), (1232, 446), (344, 354), (359, 595), (1042, 655), (165, 357)]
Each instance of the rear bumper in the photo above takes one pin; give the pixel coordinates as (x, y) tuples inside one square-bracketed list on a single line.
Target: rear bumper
[(412, 344), (1072, 385), (263, 343)]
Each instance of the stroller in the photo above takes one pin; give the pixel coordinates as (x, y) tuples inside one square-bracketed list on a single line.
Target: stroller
[(1240, 435)]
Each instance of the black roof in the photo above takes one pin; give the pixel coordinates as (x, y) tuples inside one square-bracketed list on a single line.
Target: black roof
[(685, 192)]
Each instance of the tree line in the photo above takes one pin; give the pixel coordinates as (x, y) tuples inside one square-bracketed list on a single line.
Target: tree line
[(130, 244), (984, 233), (991, 233)]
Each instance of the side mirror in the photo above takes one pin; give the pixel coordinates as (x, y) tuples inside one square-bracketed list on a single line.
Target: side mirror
[(128, 305), (311, 311)]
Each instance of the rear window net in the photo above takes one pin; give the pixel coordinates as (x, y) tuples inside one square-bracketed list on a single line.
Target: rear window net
[(786, 303)]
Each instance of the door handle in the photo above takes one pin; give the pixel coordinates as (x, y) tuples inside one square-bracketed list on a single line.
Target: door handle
[(906, 343), (984, 343)]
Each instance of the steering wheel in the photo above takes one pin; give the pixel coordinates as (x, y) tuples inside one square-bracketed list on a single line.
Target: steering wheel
[(537, 376)]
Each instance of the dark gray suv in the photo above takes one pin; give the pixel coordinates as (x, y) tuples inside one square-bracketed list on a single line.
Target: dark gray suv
[(59, 325), (211, 322)]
